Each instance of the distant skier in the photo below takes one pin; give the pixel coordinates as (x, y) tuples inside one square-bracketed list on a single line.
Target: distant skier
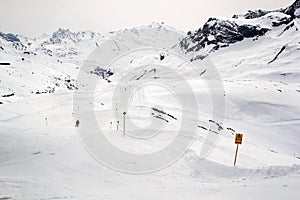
[(161, 56), (46, 119), (77, 123)]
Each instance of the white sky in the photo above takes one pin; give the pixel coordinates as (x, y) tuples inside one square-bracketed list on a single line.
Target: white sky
[(34, 17)]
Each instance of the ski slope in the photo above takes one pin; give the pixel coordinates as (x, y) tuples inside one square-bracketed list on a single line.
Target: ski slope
[(42, 155)]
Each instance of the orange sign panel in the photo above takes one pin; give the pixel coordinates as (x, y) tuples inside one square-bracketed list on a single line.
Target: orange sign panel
[(238, 138)]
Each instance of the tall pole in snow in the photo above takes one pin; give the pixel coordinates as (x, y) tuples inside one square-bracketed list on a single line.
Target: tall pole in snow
[(236, 152), (124, 113)]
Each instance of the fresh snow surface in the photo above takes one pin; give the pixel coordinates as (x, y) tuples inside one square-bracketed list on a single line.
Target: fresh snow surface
[(42, 157)]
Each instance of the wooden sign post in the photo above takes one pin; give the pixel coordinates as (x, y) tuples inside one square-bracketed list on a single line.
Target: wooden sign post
[(238, 140), (124, 113)]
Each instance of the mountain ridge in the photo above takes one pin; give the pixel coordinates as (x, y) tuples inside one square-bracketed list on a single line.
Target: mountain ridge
[(57, 57)]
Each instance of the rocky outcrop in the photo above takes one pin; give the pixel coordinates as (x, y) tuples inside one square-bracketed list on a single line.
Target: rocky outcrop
[(219, 33), (9, 37)]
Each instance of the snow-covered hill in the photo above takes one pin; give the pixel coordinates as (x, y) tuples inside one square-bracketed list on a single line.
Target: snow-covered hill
[(257, 57)]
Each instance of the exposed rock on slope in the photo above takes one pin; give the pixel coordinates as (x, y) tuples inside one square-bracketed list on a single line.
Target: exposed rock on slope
[(218, 33)]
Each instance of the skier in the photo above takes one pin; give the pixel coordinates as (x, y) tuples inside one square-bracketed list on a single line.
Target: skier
[(77, 123)]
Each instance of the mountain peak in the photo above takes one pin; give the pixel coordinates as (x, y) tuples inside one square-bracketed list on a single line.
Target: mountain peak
[(62, 34), (220, 33), (290, 10), (9, 37), (65, 34)]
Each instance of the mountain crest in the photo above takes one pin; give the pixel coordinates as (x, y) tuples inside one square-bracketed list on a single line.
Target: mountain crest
[(9, 37), (65, 34), (218, 33)]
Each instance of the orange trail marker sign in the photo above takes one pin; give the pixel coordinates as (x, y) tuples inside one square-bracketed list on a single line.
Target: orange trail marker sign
[(238, 140)]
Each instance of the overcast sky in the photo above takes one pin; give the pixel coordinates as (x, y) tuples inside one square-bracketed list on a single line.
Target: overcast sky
[(34, 17)]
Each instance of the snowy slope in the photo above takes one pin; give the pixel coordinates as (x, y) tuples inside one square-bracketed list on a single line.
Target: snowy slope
[(256, 54)]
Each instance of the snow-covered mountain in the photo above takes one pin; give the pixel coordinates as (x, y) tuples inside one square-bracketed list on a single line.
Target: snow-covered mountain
[(257, 57), (39, 60), (54, 60), (220, 33), (65, 50)]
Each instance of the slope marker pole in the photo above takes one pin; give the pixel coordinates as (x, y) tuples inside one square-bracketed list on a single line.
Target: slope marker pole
[(236, 151), (124, 113)]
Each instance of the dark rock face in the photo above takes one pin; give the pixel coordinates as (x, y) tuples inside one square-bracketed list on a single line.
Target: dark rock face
[(288, 11), (282, 21), (249, 31), (255, 14), (9, 95), (252, 14), (220, 33), (9, 37), (63, 34), (259, 13), (102, 72), (291, 9), (60, 34)]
